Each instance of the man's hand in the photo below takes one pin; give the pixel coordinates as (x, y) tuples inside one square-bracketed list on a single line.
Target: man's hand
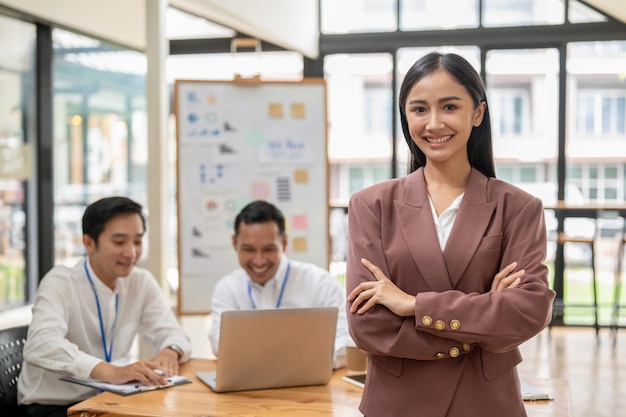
[(167, 361), (140, 371)]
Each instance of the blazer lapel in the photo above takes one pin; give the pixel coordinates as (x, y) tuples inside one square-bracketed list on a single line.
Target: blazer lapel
[(469, 228), (419, 233)]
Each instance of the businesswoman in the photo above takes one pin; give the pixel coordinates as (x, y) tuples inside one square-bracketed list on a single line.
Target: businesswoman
[(445, 274)]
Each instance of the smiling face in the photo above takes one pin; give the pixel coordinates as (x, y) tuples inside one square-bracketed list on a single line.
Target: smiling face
[(117, 249), (259, 248), (440, 115)]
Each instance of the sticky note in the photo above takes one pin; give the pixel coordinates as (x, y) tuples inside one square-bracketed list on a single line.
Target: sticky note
[(254, 137), (301, 176), (300, 244), (298, 110), (300, 222), (275, 110)]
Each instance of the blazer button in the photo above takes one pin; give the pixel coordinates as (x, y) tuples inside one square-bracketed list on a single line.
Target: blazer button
[(440, 325), (466, 347), (454, 352), (455, 324), (427, 320), (440, 355)]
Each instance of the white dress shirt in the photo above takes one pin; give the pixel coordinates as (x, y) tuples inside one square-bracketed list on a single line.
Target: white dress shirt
[(444, 222), (307, 286), (64, 337)]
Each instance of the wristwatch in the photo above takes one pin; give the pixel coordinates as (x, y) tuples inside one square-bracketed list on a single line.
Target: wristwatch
[(176, 349)]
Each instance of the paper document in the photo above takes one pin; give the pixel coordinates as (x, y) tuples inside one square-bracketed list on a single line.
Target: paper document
[(531, 393), (125, 389)]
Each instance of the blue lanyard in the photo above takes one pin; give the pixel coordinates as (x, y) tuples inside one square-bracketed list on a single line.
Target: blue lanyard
[(280, 295), (107, 352)]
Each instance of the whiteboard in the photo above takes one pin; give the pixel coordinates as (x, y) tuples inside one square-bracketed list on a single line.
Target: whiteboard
[(239, 142)]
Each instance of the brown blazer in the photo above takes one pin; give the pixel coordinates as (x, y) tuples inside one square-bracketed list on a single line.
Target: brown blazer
[(458, 355)]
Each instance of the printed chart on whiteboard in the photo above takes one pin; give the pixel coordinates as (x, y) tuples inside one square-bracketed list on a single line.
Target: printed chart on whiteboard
[(239, 142)]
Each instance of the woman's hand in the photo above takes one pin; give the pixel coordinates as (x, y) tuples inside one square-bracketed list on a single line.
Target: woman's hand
[(382, 291), (507, 278)]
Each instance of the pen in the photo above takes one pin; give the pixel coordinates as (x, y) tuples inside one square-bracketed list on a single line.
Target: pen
[(143, 388)]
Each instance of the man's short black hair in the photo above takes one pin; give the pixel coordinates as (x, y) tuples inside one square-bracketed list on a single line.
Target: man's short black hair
[(260, 211), (97, 214)]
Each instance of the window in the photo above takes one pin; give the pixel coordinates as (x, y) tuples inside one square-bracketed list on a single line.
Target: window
[(601, 113), (438, 14), (596, 119), (522, 88), (599, 183), (361, 176), (17, 80), (614, 113), (100, 129), (510, 111), (359, 111), (349, 16), (522, 173), (377, 105), (523, 12)]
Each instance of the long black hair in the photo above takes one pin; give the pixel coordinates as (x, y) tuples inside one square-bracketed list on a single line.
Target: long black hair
[(479, 146)]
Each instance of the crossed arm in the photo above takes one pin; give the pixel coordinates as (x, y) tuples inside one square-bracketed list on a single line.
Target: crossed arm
[(383, 291)]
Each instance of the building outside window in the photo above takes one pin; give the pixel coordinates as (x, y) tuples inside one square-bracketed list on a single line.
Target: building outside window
[(360, 113)]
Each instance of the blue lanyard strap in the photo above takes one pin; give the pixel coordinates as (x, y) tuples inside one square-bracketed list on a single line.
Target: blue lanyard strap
[(107, 352), (280, 294)]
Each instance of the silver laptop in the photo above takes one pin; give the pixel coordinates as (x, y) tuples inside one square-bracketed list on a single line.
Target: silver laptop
[(260, 349)]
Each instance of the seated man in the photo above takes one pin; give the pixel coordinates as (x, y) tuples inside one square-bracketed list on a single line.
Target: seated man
[(268, 279), (85, 318)]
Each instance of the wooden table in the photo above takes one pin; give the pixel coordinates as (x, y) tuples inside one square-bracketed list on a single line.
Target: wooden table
[(563, 211), (559, 390), (338, 398)]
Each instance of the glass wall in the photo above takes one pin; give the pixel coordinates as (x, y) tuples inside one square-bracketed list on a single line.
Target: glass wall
[(443, 14), (100, 142), (596, 146), (523, 12), (100, 131), (524, 86), (17, 80), (596, 160), (359, 112), (523, 94), (354, 16)]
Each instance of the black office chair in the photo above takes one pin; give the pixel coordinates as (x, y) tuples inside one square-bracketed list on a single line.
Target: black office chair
[(11, 345)]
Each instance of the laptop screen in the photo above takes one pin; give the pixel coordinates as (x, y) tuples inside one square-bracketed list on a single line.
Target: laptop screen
[(261, 349)]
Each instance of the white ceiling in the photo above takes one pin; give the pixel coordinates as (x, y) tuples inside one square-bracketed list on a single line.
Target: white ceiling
[(615, 8), (290, 24)]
